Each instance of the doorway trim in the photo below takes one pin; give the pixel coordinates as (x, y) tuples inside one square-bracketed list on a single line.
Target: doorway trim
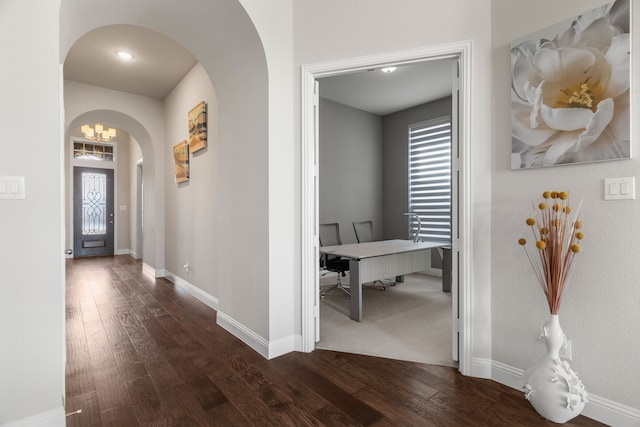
[(309, 153)]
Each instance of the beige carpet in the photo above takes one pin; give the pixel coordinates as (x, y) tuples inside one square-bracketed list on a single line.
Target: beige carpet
[(410, 321)]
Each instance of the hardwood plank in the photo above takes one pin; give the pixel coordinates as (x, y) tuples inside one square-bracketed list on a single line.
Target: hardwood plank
[(393, 406), (282, 404), (181, 408), (226, 415), (110, 388), (118, 417), (341, 399), (130, 365), (146, 401), (79, 378), (329, 415), (89, 411), (163, 375)]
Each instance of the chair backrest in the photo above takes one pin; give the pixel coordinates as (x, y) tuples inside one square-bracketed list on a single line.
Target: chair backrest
[(329, 234), (364, 231)]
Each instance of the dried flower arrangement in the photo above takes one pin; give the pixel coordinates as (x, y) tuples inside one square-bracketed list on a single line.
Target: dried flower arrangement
[(556, 233)]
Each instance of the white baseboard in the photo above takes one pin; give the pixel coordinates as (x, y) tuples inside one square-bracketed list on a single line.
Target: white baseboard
[(123, 252), (244, 334), (268, 350), (193, 290), (284, 345), (597, 408), (133, 254), (54, 418), (147, 269), (481, 367)]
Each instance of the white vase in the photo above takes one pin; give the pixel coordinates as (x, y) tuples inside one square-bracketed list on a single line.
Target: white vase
[(552, 388)]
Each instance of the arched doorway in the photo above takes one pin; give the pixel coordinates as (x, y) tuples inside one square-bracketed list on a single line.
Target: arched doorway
[(132, 140), (214, 32)]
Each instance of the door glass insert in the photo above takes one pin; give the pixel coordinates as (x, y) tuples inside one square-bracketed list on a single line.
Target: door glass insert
[(94, 203)]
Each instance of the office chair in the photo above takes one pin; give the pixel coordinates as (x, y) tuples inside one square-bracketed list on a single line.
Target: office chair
[(329, 236), (364, 233)]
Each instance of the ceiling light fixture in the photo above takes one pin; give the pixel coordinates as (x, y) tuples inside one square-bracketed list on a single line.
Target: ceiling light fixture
[(98, 132), (388, 69), (123, 54)]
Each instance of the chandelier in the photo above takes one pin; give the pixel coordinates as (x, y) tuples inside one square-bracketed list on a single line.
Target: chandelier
[(98, 132)]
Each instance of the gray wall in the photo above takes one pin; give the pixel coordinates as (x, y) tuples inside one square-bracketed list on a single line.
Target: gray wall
[(350, 145), (363, 166), (395, 154)]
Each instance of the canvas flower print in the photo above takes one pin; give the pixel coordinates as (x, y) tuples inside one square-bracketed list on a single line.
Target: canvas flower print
[(570, 91)]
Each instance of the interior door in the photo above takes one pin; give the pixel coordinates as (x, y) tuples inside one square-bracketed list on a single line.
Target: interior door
[(93, 215), (316, 234), (455, 212)]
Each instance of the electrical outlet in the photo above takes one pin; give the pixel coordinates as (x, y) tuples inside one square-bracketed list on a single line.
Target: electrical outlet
[(565, 352)]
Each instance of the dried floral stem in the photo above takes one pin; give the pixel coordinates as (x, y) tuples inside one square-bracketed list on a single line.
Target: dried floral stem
[(556, 236)]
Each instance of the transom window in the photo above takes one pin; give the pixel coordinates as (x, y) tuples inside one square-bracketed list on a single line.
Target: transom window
[(92, 151)]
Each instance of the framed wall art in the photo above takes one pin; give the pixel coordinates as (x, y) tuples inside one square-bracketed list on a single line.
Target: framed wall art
[(181, 161), (570, 91), (198, 127)]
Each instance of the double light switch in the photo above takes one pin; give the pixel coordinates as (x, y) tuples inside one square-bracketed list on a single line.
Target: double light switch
[(12, 187), (619, 188)]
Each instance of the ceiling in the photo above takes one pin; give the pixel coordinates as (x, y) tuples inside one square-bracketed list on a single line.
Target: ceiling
[(385, 93), (159, 64)]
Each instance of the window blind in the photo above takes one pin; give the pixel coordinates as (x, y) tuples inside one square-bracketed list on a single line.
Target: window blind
[(430, 179)]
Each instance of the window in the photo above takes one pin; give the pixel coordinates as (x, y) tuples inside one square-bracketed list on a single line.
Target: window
[(430, 179), (92, 151)]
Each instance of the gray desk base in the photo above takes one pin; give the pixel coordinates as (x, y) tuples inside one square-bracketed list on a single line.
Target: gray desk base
[(370, 269)]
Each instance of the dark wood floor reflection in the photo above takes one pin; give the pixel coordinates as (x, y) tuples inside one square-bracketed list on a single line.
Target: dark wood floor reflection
[(141, 351)]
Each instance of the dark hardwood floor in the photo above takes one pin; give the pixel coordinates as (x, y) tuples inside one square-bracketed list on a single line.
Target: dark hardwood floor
[(143, 352)]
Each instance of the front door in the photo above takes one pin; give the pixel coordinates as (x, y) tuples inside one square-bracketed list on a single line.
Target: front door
[(93, 220)]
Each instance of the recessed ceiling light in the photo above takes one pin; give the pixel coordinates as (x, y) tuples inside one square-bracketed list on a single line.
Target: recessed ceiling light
[(388, 69), (123, 54)]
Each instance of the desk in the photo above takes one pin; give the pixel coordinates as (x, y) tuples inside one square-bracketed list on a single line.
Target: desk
[(374, 260)]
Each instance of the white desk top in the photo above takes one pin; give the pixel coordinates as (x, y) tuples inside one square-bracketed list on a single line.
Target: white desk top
[(379, 248)]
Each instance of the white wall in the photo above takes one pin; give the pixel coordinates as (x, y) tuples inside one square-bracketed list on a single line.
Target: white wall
[(600, 313), (273, 21), (191, 220), (135, 157), (31, 236), (121, 204), (350, 173)]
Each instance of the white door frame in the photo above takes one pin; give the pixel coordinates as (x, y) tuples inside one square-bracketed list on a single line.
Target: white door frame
[(461, 249)]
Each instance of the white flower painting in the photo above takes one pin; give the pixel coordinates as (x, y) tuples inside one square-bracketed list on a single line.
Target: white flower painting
[(570, 91)]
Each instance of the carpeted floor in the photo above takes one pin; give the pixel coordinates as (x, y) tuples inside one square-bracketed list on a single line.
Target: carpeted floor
[(410, 321)]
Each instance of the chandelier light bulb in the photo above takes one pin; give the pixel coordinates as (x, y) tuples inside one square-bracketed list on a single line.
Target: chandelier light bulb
[(98, 132)]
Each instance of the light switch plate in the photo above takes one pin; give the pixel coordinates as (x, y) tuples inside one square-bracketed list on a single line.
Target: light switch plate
[(620, 188), (12, 187)]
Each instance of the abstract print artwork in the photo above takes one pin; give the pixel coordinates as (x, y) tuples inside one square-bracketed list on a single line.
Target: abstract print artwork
[(198, 127), (570, 91), (181, 161)]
